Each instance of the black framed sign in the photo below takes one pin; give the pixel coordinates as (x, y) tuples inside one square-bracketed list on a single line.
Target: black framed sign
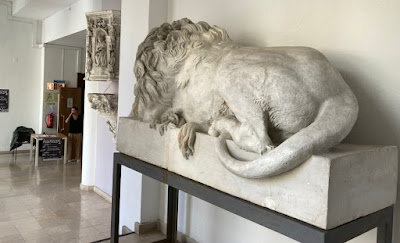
[(4, 100), (51, 148)]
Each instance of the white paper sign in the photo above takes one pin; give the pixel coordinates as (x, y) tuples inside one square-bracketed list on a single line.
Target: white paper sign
[(70, 102)]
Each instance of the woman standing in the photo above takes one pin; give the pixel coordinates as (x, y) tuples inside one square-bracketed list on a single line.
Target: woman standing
[(75, 135)]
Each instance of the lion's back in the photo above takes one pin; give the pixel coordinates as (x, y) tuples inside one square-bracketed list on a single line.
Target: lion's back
[(290, 82), (302, 67)]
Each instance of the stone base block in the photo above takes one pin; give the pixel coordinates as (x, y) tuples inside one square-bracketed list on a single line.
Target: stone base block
[(327, 190)]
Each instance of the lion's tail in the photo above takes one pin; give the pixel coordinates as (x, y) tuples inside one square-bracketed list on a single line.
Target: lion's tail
[(332, 124)]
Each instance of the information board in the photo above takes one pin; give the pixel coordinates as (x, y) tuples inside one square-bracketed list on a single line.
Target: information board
[(4, 100), (51, 149)]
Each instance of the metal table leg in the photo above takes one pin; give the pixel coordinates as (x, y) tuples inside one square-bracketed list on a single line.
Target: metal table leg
[(385, 230), (115, 202), (37, 153), (172, 220)]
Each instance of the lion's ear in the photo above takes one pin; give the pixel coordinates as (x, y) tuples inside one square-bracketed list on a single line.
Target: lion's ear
[(139, 69)]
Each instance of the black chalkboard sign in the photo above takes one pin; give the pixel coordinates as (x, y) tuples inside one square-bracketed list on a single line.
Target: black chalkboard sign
[(4, 100), (51, 148)]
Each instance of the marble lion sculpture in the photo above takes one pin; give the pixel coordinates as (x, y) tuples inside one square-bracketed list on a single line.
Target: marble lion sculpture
[(285, 103)]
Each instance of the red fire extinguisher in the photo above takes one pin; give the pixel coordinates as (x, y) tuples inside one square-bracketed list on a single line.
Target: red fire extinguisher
[(49, 120)]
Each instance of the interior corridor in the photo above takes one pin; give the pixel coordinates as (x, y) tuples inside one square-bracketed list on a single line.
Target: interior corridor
[(45, 204)]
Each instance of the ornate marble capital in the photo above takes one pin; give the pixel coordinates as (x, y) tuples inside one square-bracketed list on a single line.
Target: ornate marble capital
[(102, 45)]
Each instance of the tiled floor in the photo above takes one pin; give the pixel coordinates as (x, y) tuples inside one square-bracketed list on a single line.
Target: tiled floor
[(45, 204)]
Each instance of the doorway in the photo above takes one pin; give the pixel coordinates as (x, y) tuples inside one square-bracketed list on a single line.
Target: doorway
[(63, 66), (69, 98), (63, 81)]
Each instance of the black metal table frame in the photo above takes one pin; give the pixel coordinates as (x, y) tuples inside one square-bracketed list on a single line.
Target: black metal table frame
[(280, 223)]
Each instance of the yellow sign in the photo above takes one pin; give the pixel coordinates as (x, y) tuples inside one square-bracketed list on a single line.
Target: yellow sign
[(50, 97)]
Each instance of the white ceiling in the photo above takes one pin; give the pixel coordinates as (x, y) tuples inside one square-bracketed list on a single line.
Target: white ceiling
[(77, 40), (39, 9)]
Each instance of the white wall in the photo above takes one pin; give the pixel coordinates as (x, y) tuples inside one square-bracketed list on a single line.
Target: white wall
[(69, 20), (111, 4), (105, 146), (104, 159), (139, 194), (361, 38), (20, 72), (73, 19)]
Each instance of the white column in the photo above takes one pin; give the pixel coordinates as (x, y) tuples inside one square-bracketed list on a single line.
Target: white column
[(134, 22), (89, 138), (41, 91)]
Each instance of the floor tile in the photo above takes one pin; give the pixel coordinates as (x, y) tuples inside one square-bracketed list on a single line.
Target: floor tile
[(45, 204), (20, 215), (36, 235), (57, 230), (15, 238)]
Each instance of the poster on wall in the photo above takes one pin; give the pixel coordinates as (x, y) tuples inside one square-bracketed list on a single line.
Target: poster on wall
[(70, 102), (4, 100), (58, 84), (50, 97)]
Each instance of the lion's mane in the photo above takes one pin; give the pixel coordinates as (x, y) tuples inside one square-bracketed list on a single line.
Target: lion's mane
[(174, 40)]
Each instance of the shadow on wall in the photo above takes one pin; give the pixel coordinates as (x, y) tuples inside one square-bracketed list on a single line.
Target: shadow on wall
[(376, 123)]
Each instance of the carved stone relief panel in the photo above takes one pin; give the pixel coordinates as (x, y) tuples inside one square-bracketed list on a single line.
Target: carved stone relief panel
[(102, 45), (107, 106)]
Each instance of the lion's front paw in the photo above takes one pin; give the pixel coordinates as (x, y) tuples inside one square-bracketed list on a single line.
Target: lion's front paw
[(187, 138), (170, 120), (163, 128)]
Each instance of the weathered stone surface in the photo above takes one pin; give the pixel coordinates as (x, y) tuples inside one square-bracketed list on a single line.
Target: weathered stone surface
[(138, 140), (107, 105), (287, 103), (327, 190), (102, 45)]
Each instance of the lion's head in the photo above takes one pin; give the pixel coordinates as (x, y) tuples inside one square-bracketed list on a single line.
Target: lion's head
[(160, 57)]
